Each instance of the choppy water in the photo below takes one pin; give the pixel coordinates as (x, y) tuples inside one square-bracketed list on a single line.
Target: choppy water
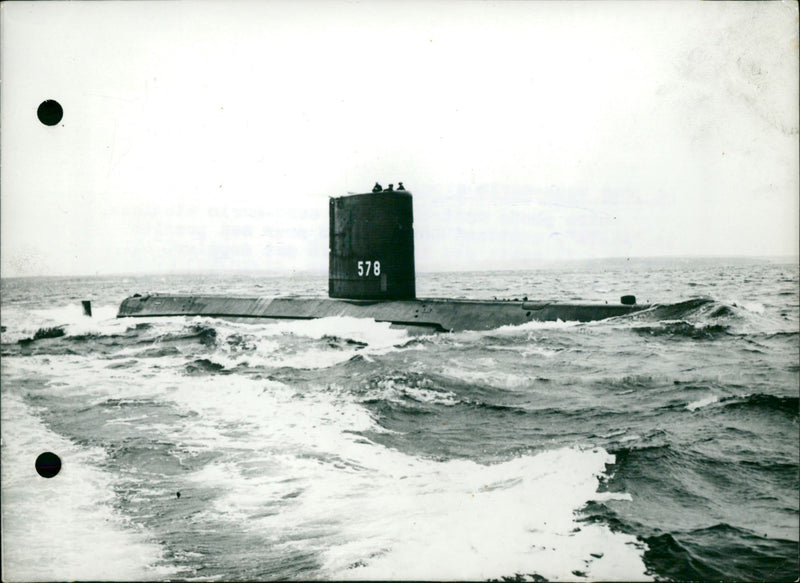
[(663, 445)]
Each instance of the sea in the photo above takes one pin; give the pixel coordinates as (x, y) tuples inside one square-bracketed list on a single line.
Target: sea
[(661, 445)]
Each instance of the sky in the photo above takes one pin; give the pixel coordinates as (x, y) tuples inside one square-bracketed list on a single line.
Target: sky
[(203, 136)]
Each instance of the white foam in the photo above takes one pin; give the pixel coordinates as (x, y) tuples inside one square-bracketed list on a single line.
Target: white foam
[(368, 510), (64, 528), (447, 398), (274, 417), (461, 520), (536, 325), (493, 378), (396, 390), (266, 342), (397, 517), (23, 323), (704, 402), (360, 329), (295, 470), (376, 513), (518, 329), (755, 307), (749, 306)]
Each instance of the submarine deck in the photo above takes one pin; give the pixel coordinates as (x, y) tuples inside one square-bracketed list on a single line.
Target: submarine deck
[(445, 315)]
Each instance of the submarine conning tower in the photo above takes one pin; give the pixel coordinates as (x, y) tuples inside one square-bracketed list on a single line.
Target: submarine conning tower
[(371, 252)]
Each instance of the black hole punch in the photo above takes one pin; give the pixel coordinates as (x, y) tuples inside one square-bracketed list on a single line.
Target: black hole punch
[(50, 112), (48, 464)]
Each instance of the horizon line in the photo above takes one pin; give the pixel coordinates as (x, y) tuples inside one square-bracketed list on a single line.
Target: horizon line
[(535, 264)]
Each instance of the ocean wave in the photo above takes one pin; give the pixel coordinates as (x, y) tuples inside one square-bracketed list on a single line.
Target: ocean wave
[(363, 509), (677, 311), (343, 448), (704, 402), (306, 344), (511, 333), (204, 334), (764, 403), (461, 520), (159, 351), (22, 323), (360, 330), (121, 402), (710, 319), (202, 366), (480, 405), (71, 517), (683, 329), (493, 378), (408, 390), (705, 554)]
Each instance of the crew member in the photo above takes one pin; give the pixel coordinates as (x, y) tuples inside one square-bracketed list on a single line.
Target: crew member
[(377, 188), (400, 186), (390, 189)]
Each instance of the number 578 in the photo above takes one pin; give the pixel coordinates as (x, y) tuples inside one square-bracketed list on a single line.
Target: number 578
[(367, 268)]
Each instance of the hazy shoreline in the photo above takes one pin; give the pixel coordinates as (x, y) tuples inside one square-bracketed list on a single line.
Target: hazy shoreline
[(542, 265)]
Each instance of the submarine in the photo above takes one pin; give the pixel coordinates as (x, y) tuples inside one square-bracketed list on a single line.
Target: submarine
[(371, 274)]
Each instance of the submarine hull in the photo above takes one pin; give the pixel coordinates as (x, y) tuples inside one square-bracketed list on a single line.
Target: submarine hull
[(444, 315)]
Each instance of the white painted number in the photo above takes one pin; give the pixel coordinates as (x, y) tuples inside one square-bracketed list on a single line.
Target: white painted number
[(365, 267)]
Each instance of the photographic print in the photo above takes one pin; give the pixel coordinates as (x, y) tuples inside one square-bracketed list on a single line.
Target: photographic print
[(340, 290)]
